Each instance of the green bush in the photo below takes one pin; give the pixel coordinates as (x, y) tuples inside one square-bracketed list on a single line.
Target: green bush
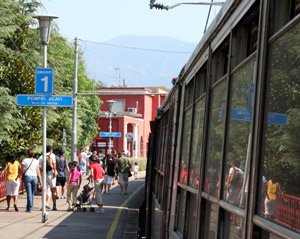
[(142, 163)]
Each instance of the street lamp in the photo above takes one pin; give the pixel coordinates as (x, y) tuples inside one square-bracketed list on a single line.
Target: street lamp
[(110, 105), (165, 7), (45, 26)]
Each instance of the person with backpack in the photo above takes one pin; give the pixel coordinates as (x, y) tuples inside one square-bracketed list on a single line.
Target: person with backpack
[(61, 167)]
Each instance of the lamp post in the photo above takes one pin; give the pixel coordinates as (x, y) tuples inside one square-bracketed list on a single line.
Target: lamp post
[(75, 95), (45, 26), (110, 105)]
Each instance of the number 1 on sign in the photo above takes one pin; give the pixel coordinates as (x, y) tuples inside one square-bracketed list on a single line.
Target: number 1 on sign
[(45, 80)]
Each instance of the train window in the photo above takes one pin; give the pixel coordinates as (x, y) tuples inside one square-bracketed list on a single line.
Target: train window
[(280, 174), (200, 81), (185, 149), (192, 209), (259, 233), (239, 135), (231, 226), (220, 61), (281, 12), (244, 38), (196, 146), (210, 221), (215, 140), (180, 210), (189, 94)]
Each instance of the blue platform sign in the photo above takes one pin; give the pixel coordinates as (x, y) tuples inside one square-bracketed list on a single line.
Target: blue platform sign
[(238, 114), (277, 118), (110, 134), (44, 81), (241, 114), (45, 100)]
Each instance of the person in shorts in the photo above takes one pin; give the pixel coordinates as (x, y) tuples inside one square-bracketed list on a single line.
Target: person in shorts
[(110, 173), (74, 182), (61, 178), (135, 170), (123, 169), (51, 174), (96, 174), (12, 169)]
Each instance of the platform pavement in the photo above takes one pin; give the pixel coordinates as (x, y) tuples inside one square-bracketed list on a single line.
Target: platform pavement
[(120, 219)]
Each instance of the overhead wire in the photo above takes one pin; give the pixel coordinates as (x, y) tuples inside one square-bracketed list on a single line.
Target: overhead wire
[(137, 48)]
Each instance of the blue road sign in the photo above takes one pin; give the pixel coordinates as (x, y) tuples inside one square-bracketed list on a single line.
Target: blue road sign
[(110, 134), (278, 119), (45, 100), (44, 81)]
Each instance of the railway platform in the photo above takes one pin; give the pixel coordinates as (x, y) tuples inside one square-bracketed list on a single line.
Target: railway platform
[(120, 219)]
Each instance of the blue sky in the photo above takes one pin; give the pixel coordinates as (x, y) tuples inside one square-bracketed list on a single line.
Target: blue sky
[(102, 20)]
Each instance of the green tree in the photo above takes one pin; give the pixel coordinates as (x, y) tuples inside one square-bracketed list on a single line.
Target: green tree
[(20, 53)]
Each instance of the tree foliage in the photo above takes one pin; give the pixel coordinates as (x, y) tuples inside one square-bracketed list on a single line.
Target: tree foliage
[(20, 53)]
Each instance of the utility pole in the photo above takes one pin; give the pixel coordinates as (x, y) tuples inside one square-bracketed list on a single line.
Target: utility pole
[(75, 95)]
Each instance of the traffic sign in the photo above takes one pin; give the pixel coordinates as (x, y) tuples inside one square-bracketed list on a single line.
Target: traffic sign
[(44, 81), (44, 100), (110, 134), (129, 136)]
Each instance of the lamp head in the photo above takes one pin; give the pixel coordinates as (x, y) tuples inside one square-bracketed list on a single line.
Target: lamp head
[(110, 104), (45, 26)]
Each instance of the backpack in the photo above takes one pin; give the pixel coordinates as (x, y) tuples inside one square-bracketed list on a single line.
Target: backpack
[(48, 165)]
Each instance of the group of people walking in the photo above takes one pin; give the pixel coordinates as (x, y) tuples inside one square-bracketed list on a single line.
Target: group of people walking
[(59, 173)]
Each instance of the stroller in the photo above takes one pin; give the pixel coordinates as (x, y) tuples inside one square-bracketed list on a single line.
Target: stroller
[(85, 198)]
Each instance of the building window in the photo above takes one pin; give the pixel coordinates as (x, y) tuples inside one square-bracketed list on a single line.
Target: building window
[(280, 174), (118, 106), (141, 146)]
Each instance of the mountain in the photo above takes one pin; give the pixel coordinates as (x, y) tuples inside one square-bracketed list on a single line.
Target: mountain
[(137, 60)]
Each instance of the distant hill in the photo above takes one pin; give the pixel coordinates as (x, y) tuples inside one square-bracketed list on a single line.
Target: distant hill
[(139, 60)]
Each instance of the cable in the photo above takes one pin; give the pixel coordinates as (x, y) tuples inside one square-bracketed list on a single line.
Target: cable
[(137, 48)]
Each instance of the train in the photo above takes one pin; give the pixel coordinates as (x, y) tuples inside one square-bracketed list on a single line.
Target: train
[(224, 151)]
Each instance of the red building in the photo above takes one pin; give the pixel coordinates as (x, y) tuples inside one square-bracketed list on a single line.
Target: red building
[(131, 112)]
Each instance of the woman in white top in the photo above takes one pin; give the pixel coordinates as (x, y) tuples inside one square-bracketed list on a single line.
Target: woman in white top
[(31, 172)]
